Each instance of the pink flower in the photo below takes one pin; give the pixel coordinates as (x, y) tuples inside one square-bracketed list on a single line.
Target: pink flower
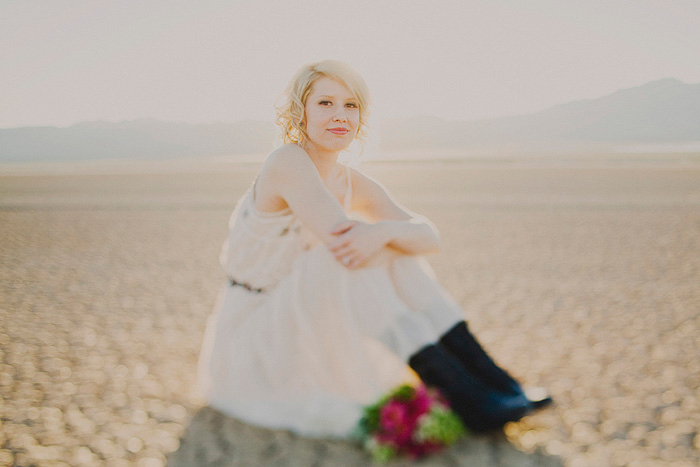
[(421, 404), (395, 423), (395, 428)]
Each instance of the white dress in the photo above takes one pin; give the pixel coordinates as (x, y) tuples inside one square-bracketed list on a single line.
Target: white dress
[(319, 341)]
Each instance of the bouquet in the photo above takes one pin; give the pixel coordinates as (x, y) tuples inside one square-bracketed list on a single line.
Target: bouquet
[(410, 421)]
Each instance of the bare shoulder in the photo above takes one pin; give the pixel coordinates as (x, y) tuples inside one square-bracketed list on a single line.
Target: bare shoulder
[(286, 159), (285, 170)]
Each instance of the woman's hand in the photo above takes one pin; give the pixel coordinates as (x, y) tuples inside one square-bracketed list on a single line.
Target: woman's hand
[(357, 242)]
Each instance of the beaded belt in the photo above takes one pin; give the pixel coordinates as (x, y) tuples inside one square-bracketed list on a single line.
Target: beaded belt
[(248, 287)]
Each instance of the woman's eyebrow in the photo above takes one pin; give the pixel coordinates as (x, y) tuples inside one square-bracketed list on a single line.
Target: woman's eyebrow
[(353, 98)]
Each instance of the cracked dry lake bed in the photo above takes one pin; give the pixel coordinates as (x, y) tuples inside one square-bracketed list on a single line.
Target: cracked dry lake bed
[(582, 279)]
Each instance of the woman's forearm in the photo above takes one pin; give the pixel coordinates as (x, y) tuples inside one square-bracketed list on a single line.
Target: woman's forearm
[(416, 236)]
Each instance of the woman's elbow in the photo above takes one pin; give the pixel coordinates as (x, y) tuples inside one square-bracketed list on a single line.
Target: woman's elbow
[(433, 243), (435, 249)]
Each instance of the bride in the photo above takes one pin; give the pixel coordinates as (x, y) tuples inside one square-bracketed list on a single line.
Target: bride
[(328, 300)]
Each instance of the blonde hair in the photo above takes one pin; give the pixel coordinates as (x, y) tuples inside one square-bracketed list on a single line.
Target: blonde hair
[(290, 112)]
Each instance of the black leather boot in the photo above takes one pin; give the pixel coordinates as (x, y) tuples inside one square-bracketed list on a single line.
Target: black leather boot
[(463, 345), (481, 408)]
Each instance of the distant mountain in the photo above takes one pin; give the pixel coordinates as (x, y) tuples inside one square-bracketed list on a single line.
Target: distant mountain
[(658, 112), (135, 139), (664, 111)]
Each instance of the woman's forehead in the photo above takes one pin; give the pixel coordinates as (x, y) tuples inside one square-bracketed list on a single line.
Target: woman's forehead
[(329, 87)]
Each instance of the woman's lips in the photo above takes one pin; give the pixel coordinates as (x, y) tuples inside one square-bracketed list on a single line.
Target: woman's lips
[(338, 131)]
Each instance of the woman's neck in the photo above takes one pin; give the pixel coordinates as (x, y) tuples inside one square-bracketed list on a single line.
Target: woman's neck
[(325, 161)]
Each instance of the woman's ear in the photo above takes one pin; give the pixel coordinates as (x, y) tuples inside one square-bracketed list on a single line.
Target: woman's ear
[(300, 121)]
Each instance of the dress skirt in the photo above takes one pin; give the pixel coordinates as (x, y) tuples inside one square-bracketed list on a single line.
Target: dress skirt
[(308, 354)]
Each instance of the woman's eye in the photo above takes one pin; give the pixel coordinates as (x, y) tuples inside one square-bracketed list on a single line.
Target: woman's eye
[(325, 103), (351, 105)]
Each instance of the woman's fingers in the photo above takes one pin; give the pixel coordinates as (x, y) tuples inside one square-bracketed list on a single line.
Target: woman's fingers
[(343, 252), (340, 242), (354, 244), (341, 228), (350, 261), (338, 245), (347, 256)]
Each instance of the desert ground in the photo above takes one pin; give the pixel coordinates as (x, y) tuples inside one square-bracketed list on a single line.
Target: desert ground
[(581, 277)]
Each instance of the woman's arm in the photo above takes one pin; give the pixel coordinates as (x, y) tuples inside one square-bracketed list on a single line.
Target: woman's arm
[(289, 175), (397, 226)]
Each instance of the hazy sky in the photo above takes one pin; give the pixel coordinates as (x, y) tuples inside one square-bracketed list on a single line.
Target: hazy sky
[(65, 61)]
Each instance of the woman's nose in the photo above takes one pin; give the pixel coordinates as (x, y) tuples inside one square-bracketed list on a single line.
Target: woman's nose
[(340, 115)]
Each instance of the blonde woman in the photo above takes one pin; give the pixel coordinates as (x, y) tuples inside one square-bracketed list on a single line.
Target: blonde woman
[(328, 297)]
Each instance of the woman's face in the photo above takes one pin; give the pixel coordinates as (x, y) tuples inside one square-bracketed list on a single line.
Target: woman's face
[(332, 115)]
